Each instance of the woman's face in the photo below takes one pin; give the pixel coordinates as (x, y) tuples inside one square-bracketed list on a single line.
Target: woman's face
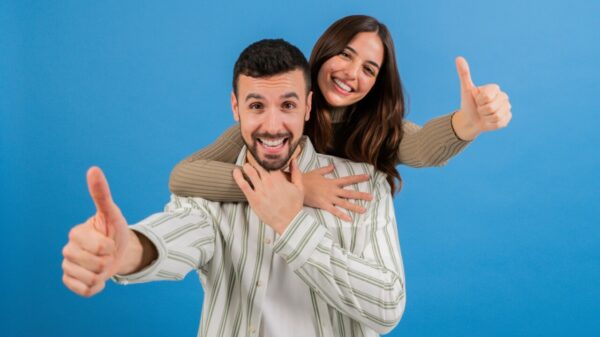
[(346, 78)]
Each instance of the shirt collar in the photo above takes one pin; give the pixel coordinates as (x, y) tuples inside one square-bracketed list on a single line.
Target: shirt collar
[(307, 160)]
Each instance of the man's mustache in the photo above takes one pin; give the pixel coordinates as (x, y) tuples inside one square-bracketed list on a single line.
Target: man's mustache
[(271, 135)]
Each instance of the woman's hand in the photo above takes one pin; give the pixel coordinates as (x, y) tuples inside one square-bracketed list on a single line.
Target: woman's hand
[(482, 108), (326, 193)]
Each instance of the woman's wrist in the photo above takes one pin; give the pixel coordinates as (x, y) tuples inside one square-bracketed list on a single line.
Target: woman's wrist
[(464, 128)]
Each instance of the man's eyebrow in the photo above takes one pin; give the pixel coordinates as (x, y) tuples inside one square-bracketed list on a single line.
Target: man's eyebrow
[(290, 95), (368, 61), (253, 96)]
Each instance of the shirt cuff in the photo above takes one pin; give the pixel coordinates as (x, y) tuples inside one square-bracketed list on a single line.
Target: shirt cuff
[(147, 273), (299, 239)]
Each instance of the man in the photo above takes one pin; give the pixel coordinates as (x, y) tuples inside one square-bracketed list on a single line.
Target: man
[(270, 267)]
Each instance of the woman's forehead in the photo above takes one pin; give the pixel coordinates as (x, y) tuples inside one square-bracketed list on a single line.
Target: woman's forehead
[(368, 46)]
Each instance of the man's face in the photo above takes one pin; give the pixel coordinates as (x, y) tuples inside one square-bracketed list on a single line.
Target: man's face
[(272, 111)]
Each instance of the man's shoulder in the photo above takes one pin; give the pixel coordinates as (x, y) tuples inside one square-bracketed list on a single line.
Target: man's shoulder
[(193, 204)]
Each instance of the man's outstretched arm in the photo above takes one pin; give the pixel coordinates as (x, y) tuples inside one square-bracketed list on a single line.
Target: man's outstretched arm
[(103, 245)]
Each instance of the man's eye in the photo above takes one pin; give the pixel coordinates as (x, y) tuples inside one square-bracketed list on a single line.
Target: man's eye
[(256, 106), (289, 105)]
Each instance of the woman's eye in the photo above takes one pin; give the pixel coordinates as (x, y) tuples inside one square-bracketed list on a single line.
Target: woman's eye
[(370, 71), (345, 54)]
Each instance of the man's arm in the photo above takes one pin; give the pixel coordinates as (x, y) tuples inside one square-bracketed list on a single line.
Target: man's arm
[(183, 237), (368, 287), (153, 249)]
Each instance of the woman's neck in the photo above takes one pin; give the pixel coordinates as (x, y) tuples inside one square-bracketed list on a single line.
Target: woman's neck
[(338, 114)]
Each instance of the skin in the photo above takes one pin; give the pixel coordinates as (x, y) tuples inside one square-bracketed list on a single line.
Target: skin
[(273, 108), (104, 246), (356, 67), (482, 108)]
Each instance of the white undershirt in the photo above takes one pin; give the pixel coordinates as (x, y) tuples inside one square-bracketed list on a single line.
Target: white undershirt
[(287, 309)]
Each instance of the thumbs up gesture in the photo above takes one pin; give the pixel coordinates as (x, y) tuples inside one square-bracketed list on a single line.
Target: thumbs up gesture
[(483, 108), (96, 248)]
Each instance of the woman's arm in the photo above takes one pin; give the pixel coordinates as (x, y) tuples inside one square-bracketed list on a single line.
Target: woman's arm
[(208, 173), (432, 145)]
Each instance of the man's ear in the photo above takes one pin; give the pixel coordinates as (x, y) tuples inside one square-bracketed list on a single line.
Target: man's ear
[(234, 107), (308, 106)]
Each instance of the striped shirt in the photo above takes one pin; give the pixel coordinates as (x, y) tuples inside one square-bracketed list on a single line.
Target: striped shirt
[(353, 270)]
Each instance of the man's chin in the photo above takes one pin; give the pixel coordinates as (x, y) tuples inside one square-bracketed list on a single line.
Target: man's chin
[(275, 160), (272, 164)]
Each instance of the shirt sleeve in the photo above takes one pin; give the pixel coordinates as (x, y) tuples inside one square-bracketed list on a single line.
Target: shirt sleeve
[(431, 145), (184, 237), (368, 287), (208, 173)]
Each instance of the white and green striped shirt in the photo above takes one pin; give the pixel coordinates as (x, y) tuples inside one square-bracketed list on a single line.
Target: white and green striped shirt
[(353, 270)]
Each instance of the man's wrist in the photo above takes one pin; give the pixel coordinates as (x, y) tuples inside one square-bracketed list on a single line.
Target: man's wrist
[(281, 227), (139, 254)]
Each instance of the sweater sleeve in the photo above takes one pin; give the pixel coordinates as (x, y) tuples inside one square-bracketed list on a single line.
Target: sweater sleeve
[(208, 173), (432, 145)]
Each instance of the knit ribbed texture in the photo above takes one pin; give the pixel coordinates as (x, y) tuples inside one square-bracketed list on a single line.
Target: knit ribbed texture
[(208, 172)]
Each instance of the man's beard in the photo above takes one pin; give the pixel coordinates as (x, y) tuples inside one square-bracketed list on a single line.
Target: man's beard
[(272, 162)]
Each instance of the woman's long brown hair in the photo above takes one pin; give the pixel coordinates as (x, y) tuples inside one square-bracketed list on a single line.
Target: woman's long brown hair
[(372, 128)]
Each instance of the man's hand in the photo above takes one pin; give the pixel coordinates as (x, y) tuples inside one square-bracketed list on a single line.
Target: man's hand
[(97, 248), (483, 108), (275, 199)]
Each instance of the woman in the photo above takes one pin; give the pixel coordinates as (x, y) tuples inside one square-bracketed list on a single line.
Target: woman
[(358, 112)]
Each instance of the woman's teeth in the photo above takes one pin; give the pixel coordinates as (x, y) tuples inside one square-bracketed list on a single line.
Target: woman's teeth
[(342, 85)]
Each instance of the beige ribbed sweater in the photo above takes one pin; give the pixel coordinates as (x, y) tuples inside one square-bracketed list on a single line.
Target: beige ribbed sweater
[(208, 172)]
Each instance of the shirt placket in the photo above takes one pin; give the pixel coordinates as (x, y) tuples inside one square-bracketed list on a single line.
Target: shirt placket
[(265, 239)]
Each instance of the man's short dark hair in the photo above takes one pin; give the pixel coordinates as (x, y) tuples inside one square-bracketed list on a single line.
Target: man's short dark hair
[(270, 57)]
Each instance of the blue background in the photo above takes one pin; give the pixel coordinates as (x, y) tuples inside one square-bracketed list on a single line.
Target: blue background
[(503, 241)]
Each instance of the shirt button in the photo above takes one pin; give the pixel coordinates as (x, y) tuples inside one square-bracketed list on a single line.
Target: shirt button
[(251, 329), (258, 284), (267, 241)]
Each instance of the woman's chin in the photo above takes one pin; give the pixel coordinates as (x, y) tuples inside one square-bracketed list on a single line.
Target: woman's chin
[(335, 101)]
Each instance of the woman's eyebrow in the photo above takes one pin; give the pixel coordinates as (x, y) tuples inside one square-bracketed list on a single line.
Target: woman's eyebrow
[(368, 61)]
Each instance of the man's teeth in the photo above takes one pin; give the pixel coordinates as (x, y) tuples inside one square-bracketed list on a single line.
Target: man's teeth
[(272, 142), (342, 85)]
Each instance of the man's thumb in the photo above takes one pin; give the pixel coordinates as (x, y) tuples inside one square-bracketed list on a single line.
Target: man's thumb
[(100, 192)]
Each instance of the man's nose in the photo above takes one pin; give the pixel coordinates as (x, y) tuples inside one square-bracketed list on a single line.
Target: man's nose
[(273, 122)]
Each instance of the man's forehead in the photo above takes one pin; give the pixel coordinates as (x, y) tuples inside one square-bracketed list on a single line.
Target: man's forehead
[(287, 84), (257, 95)]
